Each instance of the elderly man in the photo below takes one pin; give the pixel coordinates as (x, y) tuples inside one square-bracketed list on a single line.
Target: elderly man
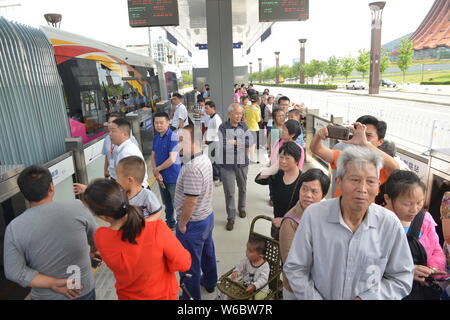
[(348, 247), (232, 157)]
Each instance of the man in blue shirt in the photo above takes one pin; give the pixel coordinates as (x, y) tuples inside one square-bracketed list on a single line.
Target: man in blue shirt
[(166, 163)]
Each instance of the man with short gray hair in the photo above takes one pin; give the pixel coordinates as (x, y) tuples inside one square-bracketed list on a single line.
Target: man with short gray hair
[(232, 157), (348, 247)]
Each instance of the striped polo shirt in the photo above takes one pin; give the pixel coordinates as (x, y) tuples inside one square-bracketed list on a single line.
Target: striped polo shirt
[(195, 179)]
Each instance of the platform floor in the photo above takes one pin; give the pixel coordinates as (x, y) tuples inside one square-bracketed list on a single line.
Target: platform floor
[(230, 245)]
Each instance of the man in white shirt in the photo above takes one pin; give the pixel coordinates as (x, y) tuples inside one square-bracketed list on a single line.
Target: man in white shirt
[(108, 147), (120, 131), (180, 116), (212, 137)]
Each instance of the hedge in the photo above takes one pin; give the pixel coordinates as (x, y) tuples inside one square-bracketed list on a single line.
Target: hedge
[(303, 86), (436, 83)]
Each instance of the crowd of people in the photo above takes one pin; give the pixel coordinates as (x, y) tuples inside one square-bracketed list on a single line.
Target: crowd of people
[(372, 239)]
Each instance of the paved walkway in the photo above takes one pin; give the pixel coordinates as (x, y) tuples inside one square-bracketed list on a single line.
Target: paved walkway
[(441, 99)]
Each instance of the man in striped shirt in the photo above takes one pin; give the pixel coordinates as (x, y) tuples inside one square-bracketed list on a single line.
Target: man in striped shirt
[(195, 216)]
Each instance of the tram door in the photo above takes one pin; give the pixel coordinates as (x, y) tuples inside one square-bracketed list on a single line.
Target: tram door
[(9, 209)]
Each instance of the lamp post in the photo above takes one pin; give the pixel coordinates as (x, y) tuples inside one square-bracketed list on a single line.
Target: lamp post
[(302, 60), (251, 67), (260, 69), (376, 9), (277, 68)]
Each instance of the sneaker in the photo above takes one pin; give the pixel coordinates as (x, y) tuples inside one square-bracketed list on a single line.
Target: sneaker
[(242, 214), (230, 225)]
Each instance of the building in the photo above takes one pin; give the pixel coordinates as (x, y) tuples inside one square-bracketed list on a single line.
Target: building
[(432, 37)]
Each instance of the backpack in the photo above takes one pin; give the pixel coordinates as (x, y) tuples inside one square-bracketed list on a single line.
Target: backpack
[(419, 255)]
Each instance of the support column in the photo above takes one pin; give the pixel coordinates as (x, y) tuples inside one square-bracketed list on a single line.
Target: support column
[(260, 69), (219, 24), (277, 67), (376, 9), (302, 60)]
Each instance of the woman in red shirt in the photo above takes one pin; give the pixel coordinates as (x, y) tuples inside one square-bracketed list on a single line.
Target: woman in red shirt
[(143, 255)]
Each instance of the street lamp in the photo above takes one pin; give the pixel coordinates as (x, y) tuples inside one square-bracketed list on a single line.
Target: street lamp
[(376, 9), (277, 60), (251, 67), (302, 60), (260, 69)]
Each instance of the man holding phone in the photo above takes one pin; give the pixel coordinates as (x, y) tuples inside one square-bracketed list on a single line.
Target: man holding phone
[(363, 135)]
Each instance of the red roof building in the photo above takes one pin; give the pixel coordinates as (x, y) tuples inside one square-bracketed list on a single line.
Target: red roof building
[(432, 38)]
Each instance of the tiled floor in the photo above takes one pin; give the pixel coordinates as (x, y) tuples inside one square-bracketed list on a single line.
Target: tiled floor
[(230, 245)]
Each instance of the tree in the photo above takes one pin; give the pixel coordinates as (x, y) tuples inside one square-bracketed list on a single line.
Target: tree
[(346, 66), (186, 79), (363, 62), (384, 63), (332, 67), (405, 56)]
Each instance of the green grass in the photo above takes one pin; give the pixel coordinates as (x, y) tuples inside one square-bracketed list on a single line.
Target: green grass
[(413, 77)]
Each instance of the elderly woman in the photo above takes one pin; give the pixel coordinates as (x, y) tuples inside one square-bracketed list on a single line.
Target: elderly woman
[(405, 196), (314, 185), (349, 248)]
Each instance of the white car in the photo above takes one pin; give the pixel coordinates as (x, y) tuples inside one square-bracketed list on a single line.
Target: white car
[(356, 84)]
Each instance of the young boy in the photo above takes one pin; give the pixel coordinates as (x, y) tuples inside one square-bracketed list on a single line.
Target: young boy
[(130, 174), (296, 114)]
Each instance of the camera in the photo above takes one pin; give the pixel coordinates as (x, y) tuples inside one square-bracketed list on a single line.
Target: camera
[(338, 132)]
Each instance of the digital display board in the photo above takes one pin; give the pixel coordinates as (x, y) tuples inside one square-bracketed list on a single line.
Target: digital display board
[(283, 10), (153, 13)]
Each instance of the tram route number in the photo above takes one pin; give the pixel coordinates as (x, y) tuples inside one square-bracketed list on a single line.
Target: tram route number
[(227, 309)]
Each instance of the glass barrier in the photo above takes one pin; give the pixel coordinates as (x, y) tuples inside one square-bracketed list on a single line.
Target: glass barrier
[(94, 160), (62, 170)]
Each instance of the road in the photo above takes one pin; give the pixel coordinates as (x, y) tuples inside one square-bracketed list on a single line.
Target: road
[(412, 125)]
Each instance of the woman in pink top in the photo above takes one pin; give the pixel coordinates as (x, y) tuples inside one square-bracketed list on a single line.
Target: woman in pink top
[(405, 196), (289, 132)]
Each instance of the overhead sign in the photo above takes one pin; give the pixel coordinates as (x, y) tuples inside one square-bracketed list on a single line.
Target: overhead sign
[(204, 46), (283, 10), (153, 13), (266, 34)]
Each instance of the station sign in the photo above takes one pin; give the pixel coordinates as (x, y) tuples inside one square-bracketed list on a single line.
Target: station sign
[(93, 152), (416, 166), (283, 10), (204, 46), (62, 170), (153, 13)]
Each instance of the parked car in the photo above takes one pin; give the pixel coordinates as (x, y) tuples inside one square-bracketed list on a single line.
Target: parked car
[(388, 83), (356, 84)]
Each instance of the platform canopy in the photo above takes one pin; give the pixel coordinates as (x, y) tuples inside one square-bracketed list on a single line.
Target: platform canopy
[(192, 29)]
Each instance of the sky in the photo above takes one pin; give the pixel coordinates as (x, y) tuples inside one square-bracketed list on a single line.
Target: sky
[(337, 28)]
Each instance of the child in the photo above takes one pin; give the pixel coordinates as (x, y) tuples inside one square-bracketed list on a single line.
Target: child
[(130, 174), (253, 271), (143, 255), (296, 115)]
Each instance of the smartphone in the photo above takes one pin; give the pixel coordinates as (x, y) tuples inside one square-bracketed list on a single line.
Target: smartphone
[(338, 132)]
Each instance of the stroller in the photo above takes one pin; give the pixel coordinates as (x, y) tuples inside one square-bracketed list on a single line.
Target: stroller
[(235, 290)]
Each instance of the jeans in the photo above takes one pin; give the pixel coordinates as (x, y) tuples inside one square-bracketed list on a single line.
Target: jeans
[(168, 198), (88, 296), (198, 241), (229, 176)]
